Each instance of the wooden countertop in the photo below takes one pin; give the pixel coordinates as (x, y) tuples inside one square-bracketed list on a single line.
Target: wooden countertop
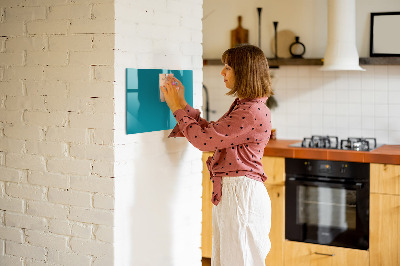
[(389, 154)]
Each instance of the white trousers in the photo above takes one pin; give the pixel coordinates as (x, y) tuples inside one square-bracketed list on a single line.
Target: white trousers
[(241, 223)]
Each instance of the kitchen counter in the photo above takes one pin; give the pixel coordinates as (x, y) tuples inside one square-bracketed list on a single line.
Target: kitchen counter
[(389, 154)]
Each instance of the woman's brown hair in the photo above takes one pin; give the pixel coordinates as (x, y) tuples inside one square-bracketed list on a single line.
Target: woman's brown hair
[(250, 66)]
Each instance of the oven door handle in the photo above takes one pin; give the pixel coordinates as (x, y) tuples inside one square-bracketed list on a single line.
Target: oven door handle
[(357, 185)]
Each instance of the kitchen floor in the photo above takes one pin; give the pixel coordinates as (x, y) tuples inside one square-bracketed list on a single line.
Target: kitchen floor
[(206, 261)]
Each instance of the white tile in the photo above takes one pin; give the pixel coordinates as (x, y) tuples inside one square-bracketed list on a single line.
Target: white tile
[(354, 83), (381, 71), (355, 109), (394, 137), (367, 122), (331, 131), (316, 72), (278, 72), (329, 109), (304, 109), (382, 110), (317, 95), (328, 74), (369, 70), (342, 81), (329, 95), (342, 109), (381, 97), (394, 110), (354, 75), (329, 122), (367, 96), (394, 123), (342, 122), (317, 107), (342, 133), (381, 84), (355, 132), (355, 122), (382, 136), (304, 72), (292, 83), (303, 82), (317, 131), (303, 131), (381, 123), (355, 96), (291, 71), (278, 83), (342, 96), (394, 70), (367, 133), (317, 120), (394, 83), (293, 120), (394, 97), (316, 82), (291, 133), (292, 107), (367, 83), (281, 132), (367, 110)]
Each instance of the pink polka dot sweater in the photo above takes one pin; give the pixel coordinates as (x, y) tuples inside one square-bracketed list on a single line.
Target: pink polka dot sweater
[(238, 139)]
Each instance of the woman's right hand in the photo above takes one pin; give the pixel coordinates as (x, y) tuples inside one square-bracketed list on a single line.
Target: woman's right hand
[(181, 91)]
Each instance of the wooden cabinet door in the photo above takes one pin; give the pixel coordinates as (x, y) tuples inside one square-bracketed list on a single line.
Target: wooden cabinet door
[(274, 168), (304, 254), (384, 236), (206, 226), (385, 178), (277, 233)]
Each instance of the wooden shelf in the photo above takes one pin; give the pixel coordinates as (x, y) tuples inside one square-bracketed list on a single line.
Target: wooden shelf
[(380, 61), (274, 63)]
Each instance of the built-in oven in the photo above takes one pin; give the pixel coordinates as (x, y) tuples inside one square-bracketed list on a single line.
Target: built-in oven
[(327, 202)]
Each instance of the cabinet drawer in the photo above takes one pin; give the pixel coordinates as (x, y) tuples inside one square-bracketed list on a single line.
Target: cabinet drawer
[(305, 254)]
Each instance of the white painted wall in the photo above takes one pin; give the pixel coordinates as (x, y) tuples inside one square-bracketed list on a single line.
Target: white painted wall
[(56, 132), (305, 18), (344, 103), (158, 180)]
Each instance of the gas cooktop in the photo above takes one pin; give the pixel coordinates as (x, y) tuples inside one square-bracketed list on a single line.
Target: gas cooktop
[(332, 142)]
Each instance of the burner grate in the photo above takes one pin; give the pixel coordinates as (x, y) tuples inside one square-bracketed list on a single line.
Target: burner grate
[(332, 142), (358, 144), (327, 142)]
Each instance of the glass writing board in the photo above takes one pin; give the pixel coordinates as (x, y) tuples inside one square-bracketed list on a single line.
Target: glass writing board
[(145, 111)]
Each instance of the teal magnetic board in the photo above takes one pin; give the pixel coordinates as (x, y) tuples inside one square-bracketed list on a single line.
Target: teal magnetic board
[(145, 112)]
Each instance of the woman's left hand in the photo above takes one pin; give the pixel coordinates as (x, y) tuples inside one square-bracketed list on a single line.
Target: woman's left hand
[(171, 95)]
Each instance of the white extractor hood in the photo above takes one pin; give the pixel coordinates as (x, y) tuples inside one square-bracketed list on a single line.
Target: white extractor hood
[(341, 51)]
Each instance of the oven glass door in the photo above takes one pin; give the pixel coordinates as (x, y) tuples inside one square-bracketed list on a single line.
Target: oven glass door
[(326, 213)]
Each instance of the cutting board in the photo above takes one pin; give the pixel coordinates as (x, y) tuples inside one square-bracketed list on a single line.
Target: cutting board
[(239, 35)]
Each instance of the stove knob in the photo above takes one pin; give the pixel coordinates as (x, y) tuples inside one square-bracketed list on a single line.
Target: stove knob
[(308, 167), (343, 168)]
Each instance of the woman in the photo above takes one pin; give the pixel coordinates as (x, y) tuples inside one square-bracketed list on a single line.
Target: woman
[(242, 208)]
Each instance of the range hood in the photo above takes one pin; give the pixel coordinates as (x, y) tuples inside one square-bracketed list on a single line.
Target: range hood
[(341, 51)]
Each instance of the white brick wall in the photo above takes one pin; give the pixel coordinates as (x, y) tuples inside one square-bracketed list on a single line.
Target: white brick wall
[(56, 132), (62, 138), (156, 177)]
